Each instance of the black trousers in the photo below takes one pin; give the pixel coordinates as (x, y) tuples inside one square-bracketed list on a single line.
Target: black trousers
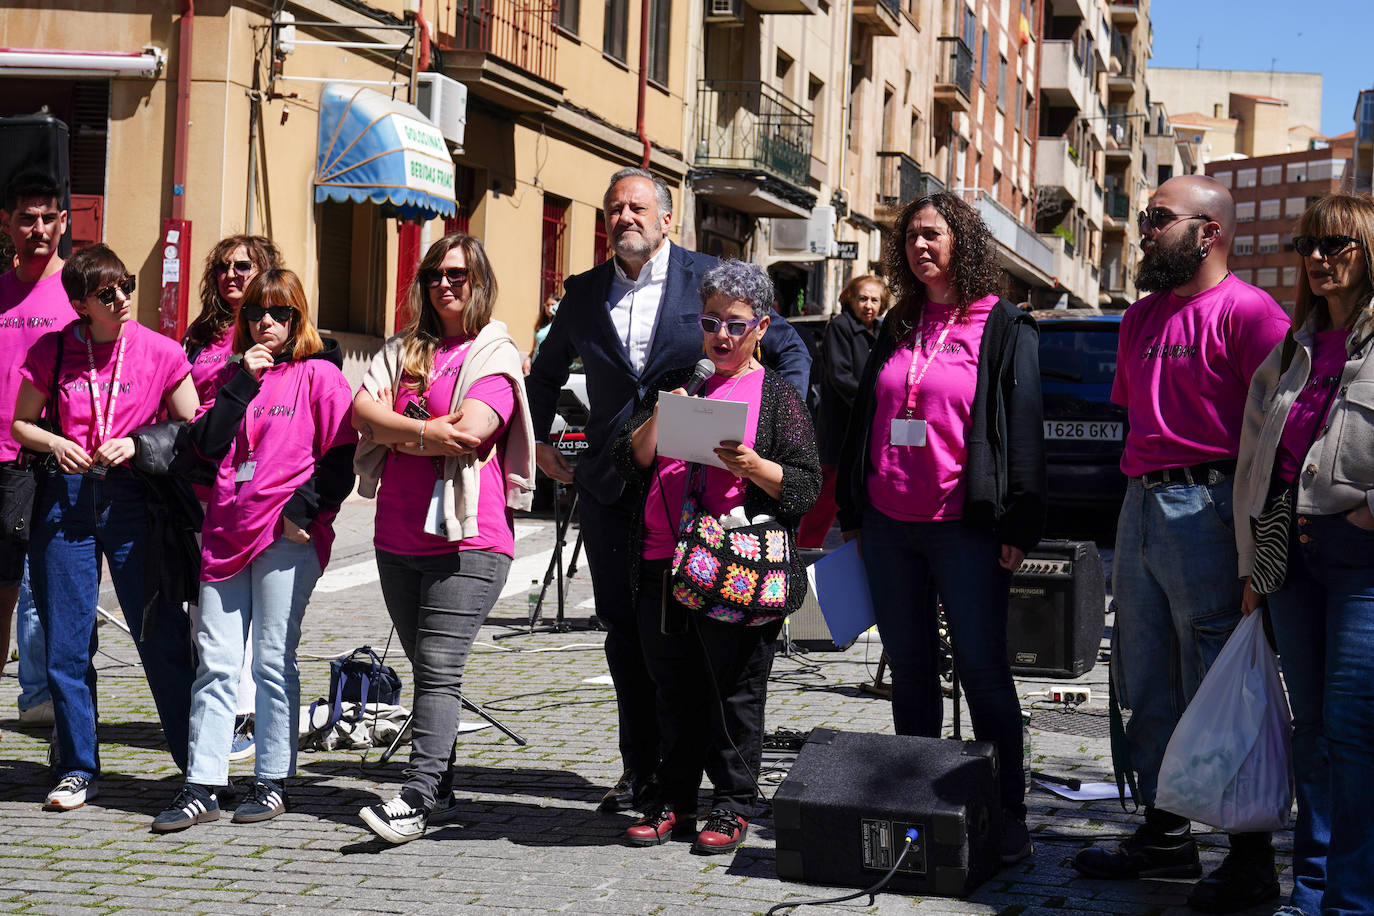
[(606, 533), (711, 681)]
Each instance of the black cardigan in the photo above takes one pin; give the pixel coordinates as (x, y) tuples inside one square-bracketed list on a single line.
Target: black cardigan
[(784, 435), (1005, 475)]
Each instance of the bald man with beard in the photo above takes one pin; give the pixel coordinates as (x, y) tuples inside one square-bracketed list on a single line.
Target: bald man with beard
[(1184, 362)]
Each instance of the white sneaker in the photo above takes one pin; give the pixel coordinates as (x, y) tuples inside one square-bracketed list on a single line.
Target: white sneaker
[(41, 714), (73, 791), (398, 821)]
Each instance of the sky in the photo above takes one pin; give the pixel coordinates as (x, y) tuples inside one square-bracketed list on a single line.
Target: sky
[(1331, 37)]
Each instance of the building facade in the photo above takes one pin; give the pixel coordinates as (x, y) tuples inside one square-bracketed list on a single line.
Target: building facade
[(1271, 193)]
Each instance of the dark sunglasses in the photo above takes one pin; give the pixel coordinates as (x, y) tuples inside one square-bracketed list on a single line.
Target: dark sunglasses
[(242, 268), (106, 294), (1326, 246), (736, 327), (456, 276), (1157, 218), (281, 314)]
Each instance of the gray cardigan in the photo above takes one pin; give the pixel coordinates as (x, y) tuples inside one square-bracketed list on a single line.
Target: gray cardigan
[(1338, 472)]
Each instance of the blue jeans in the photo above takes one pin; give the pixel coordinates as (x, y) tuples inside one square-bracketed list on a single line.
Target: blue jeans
[(76, 520), (269, 594), (1323, 621), (908, 565), (33, 651), (1177, 594)]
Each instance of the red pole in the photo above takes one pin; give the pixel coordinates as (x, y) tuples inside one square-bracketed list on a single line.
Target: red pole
[(643, 77)]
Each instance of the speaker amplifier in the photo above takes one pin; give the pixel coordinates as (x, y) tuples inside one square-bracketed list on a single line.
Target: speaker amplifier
[(843, 812), (1057, 610)]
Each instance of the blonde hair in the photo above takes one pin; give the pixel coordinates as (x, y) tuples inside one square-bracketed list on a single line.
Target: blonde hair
[(276, 287), (421, 336), (1336, 214)]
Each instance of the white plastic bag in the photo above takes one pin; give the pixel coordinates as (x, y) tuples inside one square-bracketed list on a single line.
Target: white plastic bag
[(1229, 761)]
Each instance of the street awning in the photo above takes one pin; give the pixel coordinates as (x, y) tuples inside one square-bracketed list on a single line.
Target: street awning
[(374, 148)]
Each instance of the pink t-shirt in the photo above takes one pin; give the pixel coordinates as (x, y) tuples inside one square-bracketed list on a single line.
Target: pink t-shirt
[(1183, 370), (152, 366), (211, 367), (27, 312), (1309, 410), (303, 409), (408, 480), (924, 484), (721, 491)]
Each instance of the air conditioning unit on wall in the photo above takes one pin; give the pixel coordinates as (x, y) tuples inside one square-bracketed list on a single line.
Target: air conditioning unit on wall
[(728, 12), (445, 102)]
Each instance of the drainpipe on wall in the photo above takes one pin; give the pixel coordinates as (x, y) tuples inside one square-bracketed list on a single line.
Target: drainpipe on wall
[(176, 229), (643, 78)]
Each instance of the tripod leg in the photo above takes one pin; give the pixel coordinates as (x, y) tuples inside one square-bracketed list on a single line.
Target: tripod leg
[(396, 742), (473, 707)]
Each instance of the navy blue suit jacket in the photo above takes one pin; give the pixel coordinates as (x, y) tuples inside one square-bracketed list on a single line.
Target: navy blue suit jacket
[(582, 328)]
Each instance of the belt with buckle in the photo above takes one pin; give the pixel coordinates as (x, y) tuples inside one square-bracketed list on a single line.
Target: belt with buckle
[(1210, 473)]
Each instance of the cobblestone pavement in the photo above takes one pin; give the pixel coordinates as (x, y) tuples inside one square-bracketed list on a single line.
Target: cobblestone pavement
[(531, 839)]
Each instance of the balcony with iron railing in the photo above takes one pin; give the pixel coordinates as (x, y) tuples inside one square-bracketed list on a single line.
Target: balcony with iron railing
[(1121, 132), (506, 51), (900, 181), (750, 126), (953, 74), (1118, 209), (882, 17)]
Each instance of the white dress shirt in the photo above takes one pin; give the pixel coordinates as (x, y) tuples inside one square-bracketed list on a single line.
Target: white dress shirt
[(634, 305)]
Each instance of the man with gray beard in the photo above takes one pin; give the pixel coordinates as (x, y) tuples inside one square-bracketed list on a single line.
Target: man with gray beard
[(1184, 362)]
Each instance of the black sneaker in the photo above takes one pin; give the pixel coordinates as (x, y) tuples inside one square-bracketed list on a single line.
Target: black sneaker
[(1244, 879), (445, 810), (1162, 847), (1016, 841), (192, 805), (263, 801), (398, 821)]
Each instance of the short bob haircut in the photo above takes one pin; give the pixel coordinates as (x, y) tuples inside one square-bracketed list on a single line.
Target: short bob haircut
[(850, 294), (216, 316), (423, 333), (276, 287), (91, 269), (739, 280), (1336, 214), (973, 266)]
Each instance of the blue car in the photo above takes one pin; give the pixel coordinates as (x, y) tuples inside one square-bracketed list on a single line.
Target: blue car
[(1084, 431)]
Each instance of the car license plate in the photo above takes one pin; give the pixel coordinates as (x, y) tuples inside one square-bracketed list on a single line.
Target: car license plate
[(1092, 430)]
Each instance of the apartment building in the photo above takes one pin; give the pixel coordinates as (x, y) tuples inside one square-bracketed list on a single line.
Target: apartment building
[(1168, 150), (242, 117), (1127, 110), (1364, 142), (1271, 193)]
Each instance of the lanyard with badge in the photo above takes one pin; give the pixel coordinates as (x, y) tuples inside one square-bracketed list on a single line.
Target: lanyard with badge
[(104, 422), (245, 469), (907, 430), (434, 516)]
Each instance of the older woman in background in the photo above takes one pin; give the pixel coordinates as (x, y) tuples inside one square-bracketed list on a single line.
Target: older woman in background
[(698, 660), (1309, 439), (849, 337), (942, 478)]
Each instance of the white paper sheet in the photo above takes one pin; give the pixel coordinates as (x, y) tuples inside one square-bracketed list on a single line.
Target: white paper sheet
[(690, 429), (1088, 791)]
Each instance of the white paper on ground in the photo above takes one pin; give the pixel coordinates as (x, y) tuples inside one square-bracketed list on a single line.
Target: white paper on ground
[(600, 680), (1088, 791), (690, 429)]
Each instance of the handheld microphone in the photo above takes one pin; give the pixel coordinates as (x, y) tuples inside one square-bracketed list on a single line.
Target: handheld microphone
[(704, 370)]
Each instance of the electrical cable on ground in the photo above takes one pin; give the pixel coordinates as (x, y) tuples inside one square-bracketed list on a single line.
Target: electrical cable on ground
[(872, 892)]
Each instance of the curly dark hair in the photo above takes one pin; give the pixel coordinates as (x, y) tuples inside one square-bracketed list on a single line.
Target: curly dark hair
[(217, 316), (973, 266)]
